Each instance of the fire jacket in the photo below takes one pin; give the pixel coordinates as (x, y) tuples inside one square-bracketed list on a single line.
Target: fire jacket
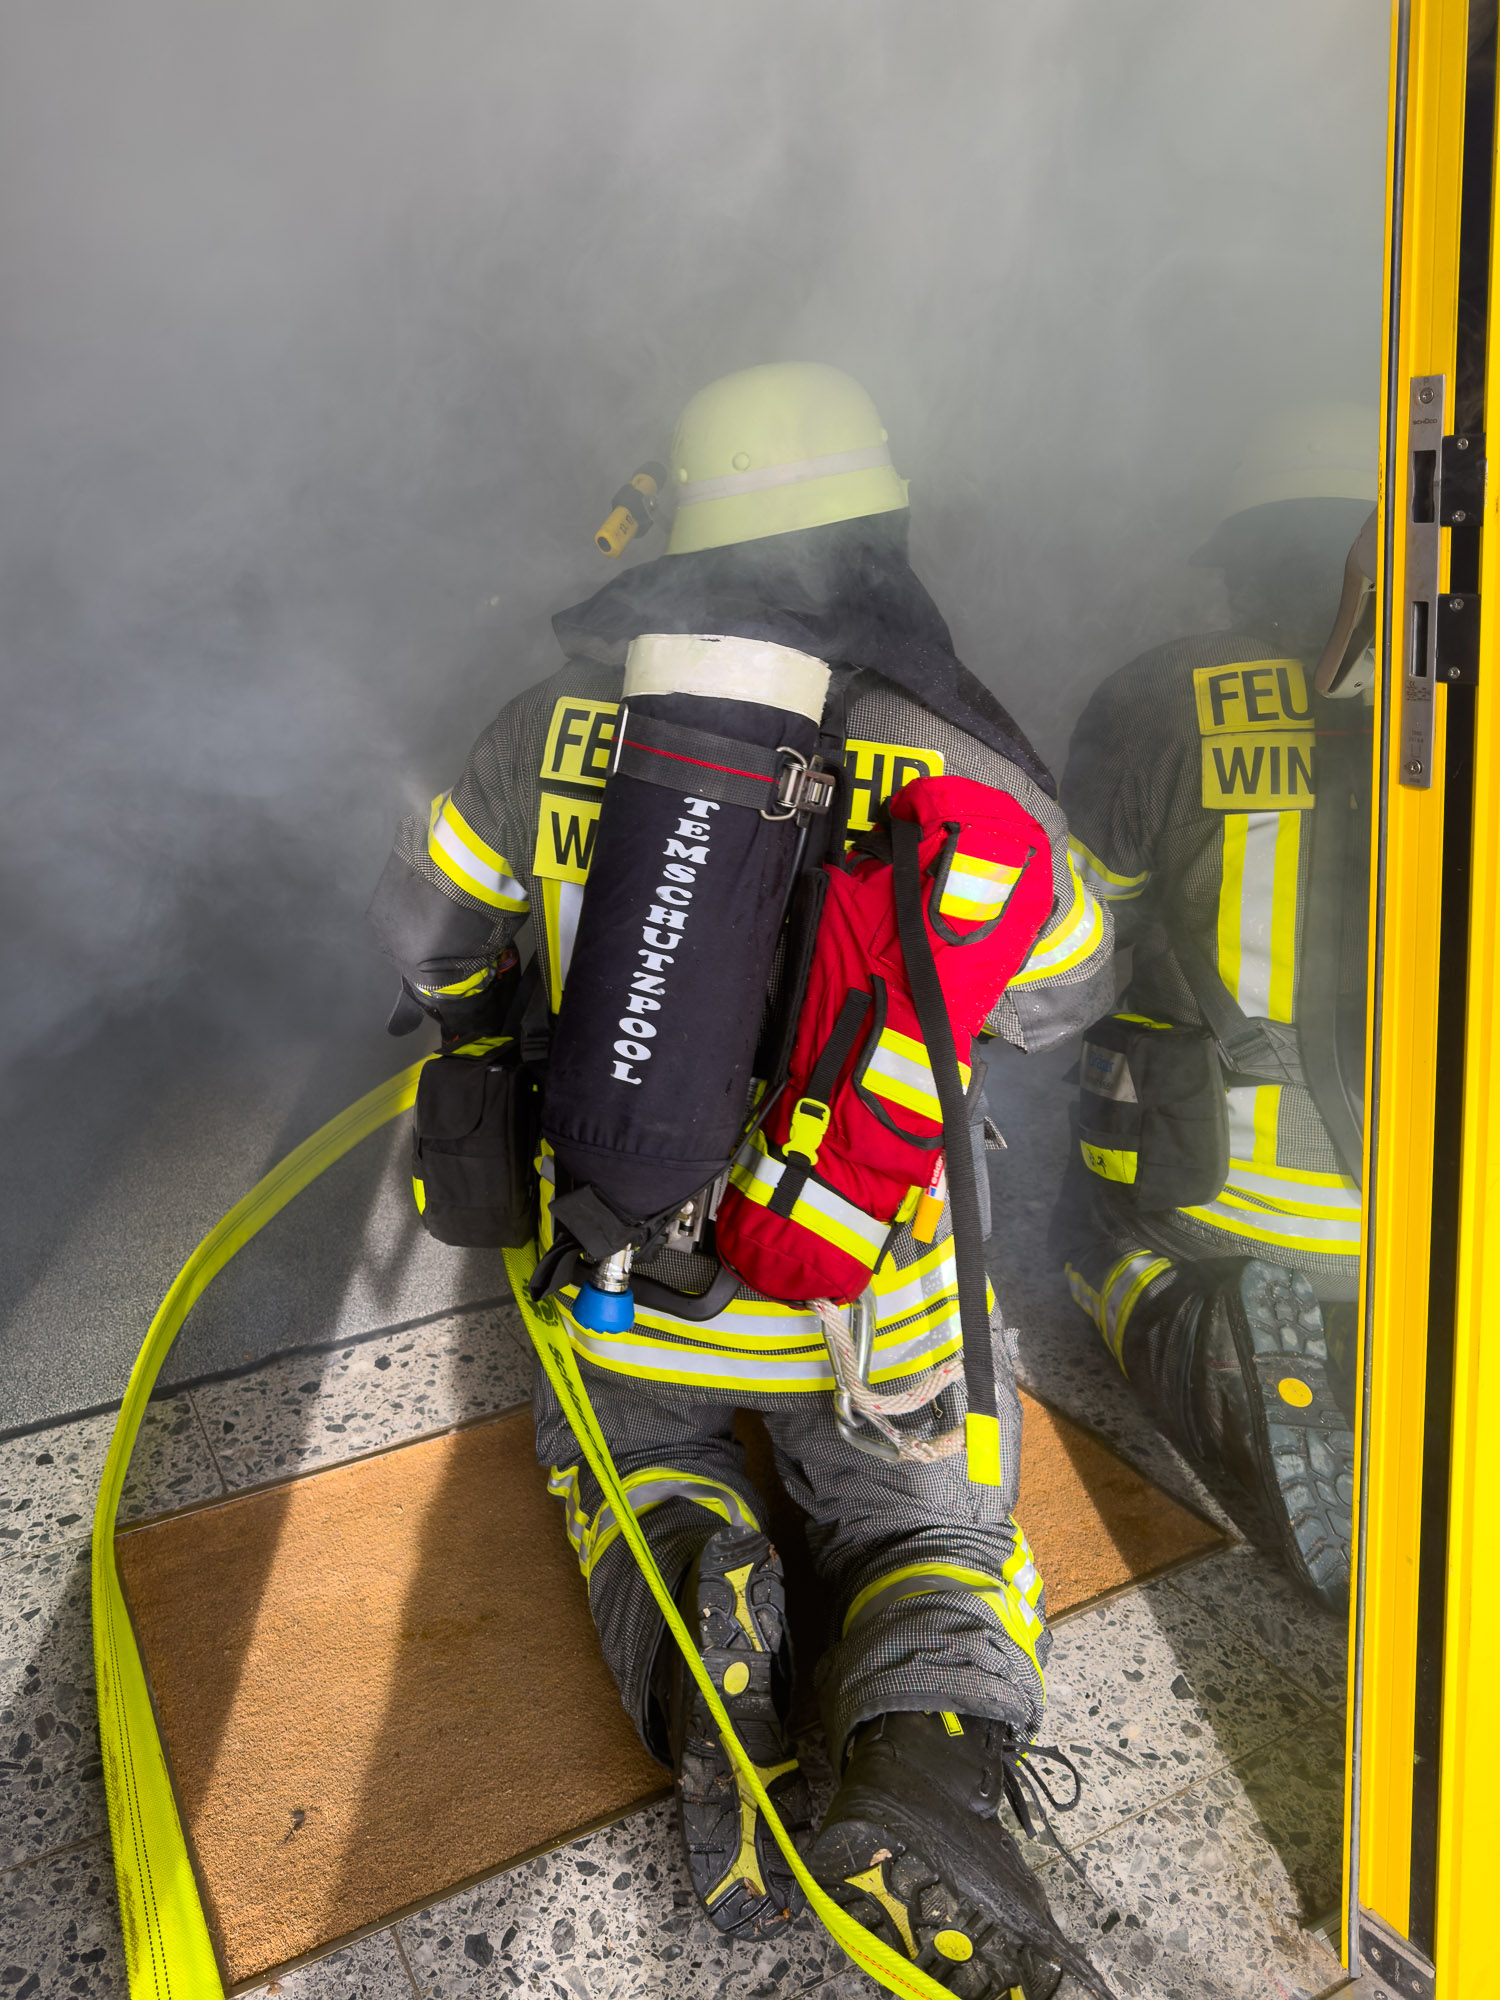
[(1209, 791), (512, 840)]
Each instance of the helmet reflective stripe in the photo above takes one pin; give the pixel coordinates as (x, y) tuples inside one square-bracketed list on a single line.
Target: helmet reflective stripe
[(770, 476), (456, 849), (1069, 939), (900, 1072), (774, 450)]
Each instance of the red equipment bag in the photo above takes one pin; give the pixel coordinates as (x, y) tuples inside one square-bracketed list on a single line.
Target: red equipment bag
[(923, 926)]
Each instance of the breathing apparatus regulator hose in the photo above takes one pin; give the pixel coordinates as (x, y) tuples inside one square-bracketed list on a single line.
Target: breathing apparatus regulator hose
[(168, 1951)]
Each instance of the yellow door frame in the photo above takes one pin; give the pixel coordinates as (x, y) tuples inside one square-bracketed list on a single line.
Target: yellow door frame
[(1423, 1740)]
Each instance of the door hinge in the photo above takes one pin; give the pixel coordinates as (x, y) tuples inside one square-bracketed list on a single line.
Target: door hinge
[(1461, 477), (1458, 639), (1445, 481)]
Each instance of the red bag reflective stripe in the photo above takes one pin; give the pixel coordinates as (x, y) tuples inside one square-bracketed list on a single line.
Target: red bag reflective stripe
[(986, 868)]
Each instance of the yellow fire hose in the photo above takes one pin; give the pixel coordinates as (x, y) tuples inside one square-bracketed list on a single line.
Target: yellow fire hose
[(168, 1952)]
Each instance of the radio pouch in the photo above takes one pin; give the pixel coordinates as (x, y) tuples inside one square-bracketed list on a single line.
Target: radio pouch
[(1152, 1112), (475, 1133)]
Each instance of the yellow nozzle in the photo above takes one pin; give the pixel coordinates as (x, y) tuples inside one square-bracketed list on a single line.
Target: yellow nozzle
[(632, 510)]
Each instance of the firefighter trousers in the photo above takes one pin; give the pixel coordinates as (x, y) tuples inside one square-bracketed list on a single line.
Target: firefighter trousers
[(934, 1598)]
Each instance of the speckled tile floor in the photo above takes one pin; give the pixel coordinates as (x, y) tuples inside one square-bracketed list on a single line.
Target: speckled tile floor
[(1204, 1710)]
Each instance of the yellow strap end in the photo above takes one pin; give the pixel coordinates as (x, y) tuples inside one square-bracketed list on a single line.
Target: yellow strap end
[(982, 1439)]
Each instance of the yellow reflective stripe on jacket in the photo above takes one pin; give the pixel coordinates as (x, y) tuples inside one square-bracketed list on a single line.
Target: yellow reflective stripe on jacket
[(755, 1345), (817, 1208), (1257, 927), (454, 847), (903, 1350), (1291, 1208), (900, 1071), (648, 1487), (1072, 937), (900, 1289), (976, 888), (561, 903), (1104, 882), (1005, 1595), (1283, 1227)]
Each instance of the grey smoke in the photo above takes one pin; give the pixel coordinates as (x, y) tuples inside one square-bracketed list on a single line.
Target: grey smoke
[(329, 329)]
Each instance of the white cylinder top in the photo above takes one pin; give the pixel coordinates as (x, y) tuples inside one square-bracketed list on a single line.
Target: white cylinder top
[(734, 669)]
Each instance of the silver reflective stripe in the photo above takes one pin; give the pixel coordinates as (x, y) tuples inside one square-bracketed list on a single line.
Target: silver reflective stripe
[(918, 1287), (676, 1362), (1338, 1237), (763, 479), (1124, 1285), (569, 903), (844, 1213), (648, 1489)]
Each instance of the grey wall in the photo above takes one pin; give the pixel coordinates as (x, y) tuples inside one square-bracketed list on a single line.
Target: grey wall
[(329, 328)]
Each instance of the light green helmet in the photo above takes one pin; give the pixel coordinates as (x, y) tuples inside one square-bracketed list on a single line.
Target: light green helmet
[(1309, 451), (773, 449)]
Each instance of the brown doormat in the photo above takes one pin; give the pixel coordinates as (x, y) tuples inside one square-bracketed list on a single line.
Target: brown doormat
[(382, 1681)]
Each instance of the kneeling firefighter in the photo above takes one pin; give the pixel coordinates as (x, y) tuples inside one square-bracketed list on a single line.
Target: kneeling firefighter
[(785, 864), (1218, 792)]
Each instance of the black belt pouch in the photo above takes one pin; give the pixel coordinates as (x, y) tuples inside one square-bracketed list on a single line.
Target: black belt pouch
[(474, 1142), (1152, 1113)]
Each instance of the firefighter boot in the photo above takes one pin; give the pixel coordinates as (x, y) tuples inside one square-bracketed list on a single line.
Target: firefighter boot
[(734, 1603), (1231, 1358), (914, 1850), (1269, 1390)]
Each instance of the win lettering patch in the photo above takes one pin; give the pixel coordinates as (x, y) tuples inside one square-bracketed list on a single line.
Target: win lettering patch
[(1256, 724), (565, 830)]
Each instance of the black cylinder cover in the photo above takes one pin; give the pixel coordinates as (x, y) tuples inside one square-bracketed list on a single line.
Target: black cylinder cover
[(649, 1076)]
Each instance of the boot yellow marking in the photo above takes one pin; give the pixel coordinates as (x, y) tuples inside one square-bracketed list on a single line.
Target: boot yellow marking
[(736, 1677), (951, 1722), (745, 1867), (872, 1881), (737, 1579), (954, 1945), (1294, 1392)]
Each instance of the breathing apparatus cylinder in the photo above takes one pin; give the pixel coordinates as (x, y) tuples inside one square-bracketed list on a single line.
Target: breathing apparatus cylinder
[(698, 839)]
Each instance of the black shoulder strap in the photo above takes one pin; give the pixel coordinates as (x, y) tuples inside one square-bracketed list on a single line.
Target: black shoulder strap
[(1244, 1045), (942, 1054)]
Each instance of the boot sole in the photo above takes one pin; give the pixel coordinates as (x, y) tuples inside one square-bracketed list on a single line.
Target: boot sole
[(736, 1866), (1303, 1444), (896, 1892)]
